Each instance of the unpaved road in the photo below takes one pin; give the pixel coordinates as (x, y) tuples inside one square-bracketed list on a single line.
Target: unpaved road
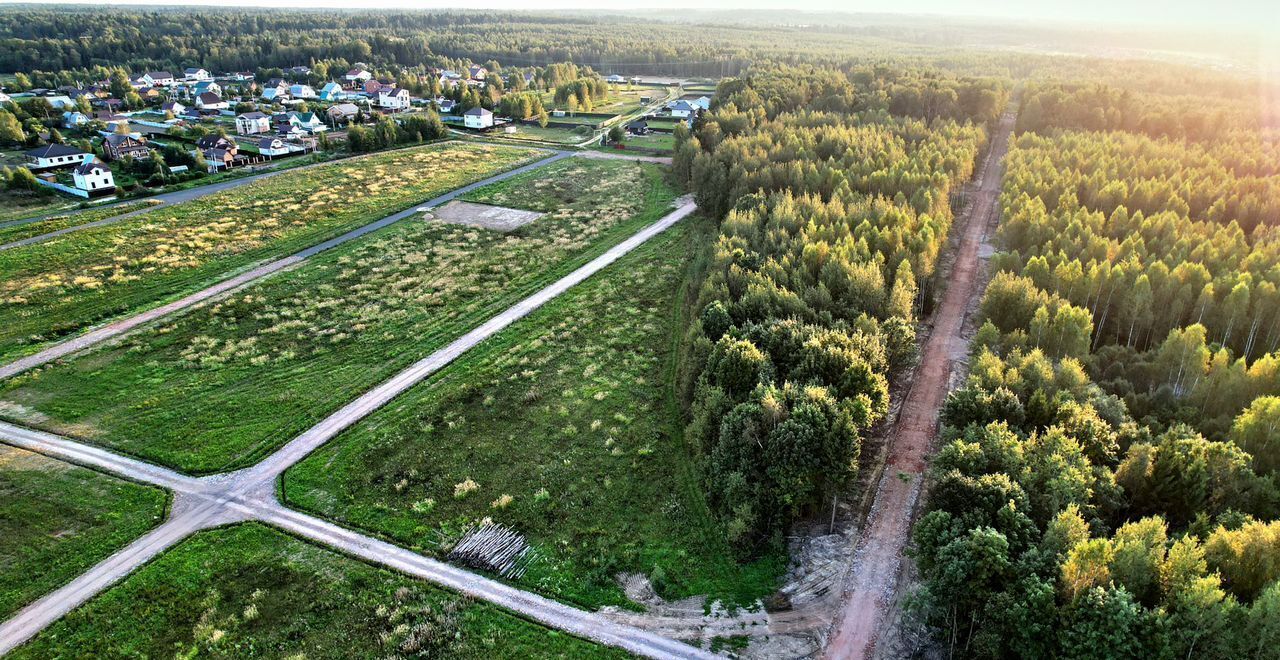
[(250, 494), (873, 575), (80, 342)]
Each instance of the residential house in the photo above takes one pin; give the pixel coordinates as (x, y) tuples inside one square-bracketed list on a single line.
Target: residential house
[(343, 112), (307, 121), (682, 109), (207, 86), (477, 72), (374, 87), (251, 123), (615, 78), (93, 177), (477, 118), (277, 92), (703, 102), (394, 99), (55, 155), (240, 76), (357, 75), (215, 141), (639, 127), (117, 146), (299, 70), (211, 101), (302, 92), (269, 146), (150, 93), (61, 102), (635, 80), (158, 78), (331, 92), (218, 158), (174, 107), (445, 105), (196, 74), (72, 119)]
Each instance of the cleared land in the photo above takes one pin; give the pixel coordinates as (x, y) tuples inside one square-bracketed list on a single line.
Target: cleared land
[(56, 520), (484, 216), (249, 591), (58, 288), (229, 381), (561, 427)]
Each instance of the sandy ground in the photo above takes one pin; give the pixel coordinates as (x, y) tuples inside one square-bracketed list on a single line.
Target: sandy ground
[(484, 216)]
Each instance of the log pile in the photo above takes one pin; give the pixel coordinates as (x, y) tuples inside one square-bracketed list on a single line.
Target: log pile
[(493, 547)]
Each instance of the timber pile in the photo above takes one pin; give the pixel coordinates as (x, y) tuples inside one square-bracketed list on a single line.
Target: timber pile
[(493, 547)]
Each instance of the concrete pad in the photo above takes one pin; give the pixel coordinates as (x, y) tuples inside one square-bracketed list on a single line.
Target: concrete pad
[(497, 218)]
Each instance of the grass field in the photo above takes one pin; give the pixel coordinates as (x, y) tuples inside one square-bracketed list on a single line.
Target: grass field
[(562, 427), (250, 592), (19, 205), (60, 287), (226, 383), (57, 520), (548, 134), (19, 232), (662, 141)]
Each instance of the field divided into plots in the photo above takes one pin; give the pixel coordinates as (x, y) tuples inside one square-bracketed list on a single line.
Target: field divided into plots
[(58, 288), (562, 427), (224, 384)]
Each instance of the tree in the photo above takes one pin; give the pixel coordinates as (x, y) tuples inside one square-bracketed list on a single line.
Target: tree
[(11, 132), (616, 134), (1257, 431)]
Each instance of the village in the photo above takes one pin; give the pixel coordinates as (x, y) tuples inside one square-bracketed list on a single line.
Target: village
[(149, 132)]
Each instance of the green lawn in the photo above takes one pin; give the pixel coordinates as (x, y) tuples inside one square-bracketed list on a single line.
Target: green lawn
[(57, 520), (19, 232), (548, 134), (60, 287), (563, 427), (16, 205), (226, 383), (248, 591)]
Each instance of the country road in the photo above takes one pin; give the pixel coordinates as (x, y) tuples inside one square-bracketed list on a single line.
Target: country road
[(250, 494), (116, 328), (870, 587)]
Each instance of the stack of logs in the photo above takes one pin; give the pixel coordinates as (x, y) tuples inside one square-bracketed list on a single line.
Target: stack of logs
[(493, 547)]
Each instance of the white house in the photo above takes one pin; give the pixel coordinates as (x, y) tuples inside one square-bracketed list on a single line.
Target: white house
[(359, 75), (703, 102), (61, 102), (71, 119), (477, 118), (308, 121), (55, 155), (174, 107), (160, 78), (635, 80), (269, 146), (302, 92), (682, 109), (478, 72), (93, 177), (250, 123), (210, 101), (394, 99), (196, 74), (207, 86), (273, 94), (445, 105), (331, 92)]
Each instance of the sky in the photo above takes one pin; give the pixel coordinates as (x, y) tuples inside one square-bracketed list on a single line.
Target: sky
[(1260, 17)]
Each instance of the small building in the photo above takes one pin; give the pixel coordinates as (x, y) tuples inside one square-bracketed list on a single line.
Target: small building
[(375, 87), (272, 146), (478, 72), (219, 142), (219, 158), (615, 79), (206, 87), (357, 75), (158, 78), (251, 123), (174, 107), (394, 99), (117, 146), (299, 70), (635, 80), (639, 127), (61, 102), (210, 101), (302, 92), (94, 178), (445, 105), (273, 94), (703, 102), (307, 121), (477, 118), (72, 119), (331, 92), (196, 74), (341, 113), (55, 155), (4, 98), (682, 109)]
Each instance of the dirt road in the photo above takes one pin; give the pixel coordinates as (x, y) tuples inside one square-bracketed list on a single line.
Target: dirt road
[(873, 577), (250, 494)]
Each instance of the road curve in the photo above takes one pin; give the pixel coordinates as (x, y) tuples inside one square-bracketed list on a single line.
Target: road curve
[(250, 494), (873, 576), (117, 328)]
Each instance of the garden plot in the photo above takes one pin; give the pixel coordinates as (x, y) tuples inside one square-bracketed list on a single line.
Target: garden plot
[(248, 591), (65, 285), (57, 520), (224, 384), (560, 428), (484, 216)]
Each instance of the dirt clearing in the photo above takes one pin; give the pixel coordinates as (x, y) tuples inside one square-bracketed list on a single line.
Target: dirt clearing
[(497, 218)]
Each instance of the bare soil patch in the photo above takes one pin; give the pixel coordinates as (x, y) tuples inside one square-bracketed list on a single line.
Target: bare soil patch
[(485, 216)]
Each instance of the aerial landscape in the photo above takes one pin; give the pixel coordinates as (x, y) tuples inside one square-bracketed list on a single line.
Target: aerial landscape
[(911, 329)]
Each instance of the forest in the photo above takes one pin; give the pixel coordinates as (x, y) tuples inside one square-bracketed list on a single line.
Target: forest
[(1106, 480), (835, 189)]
